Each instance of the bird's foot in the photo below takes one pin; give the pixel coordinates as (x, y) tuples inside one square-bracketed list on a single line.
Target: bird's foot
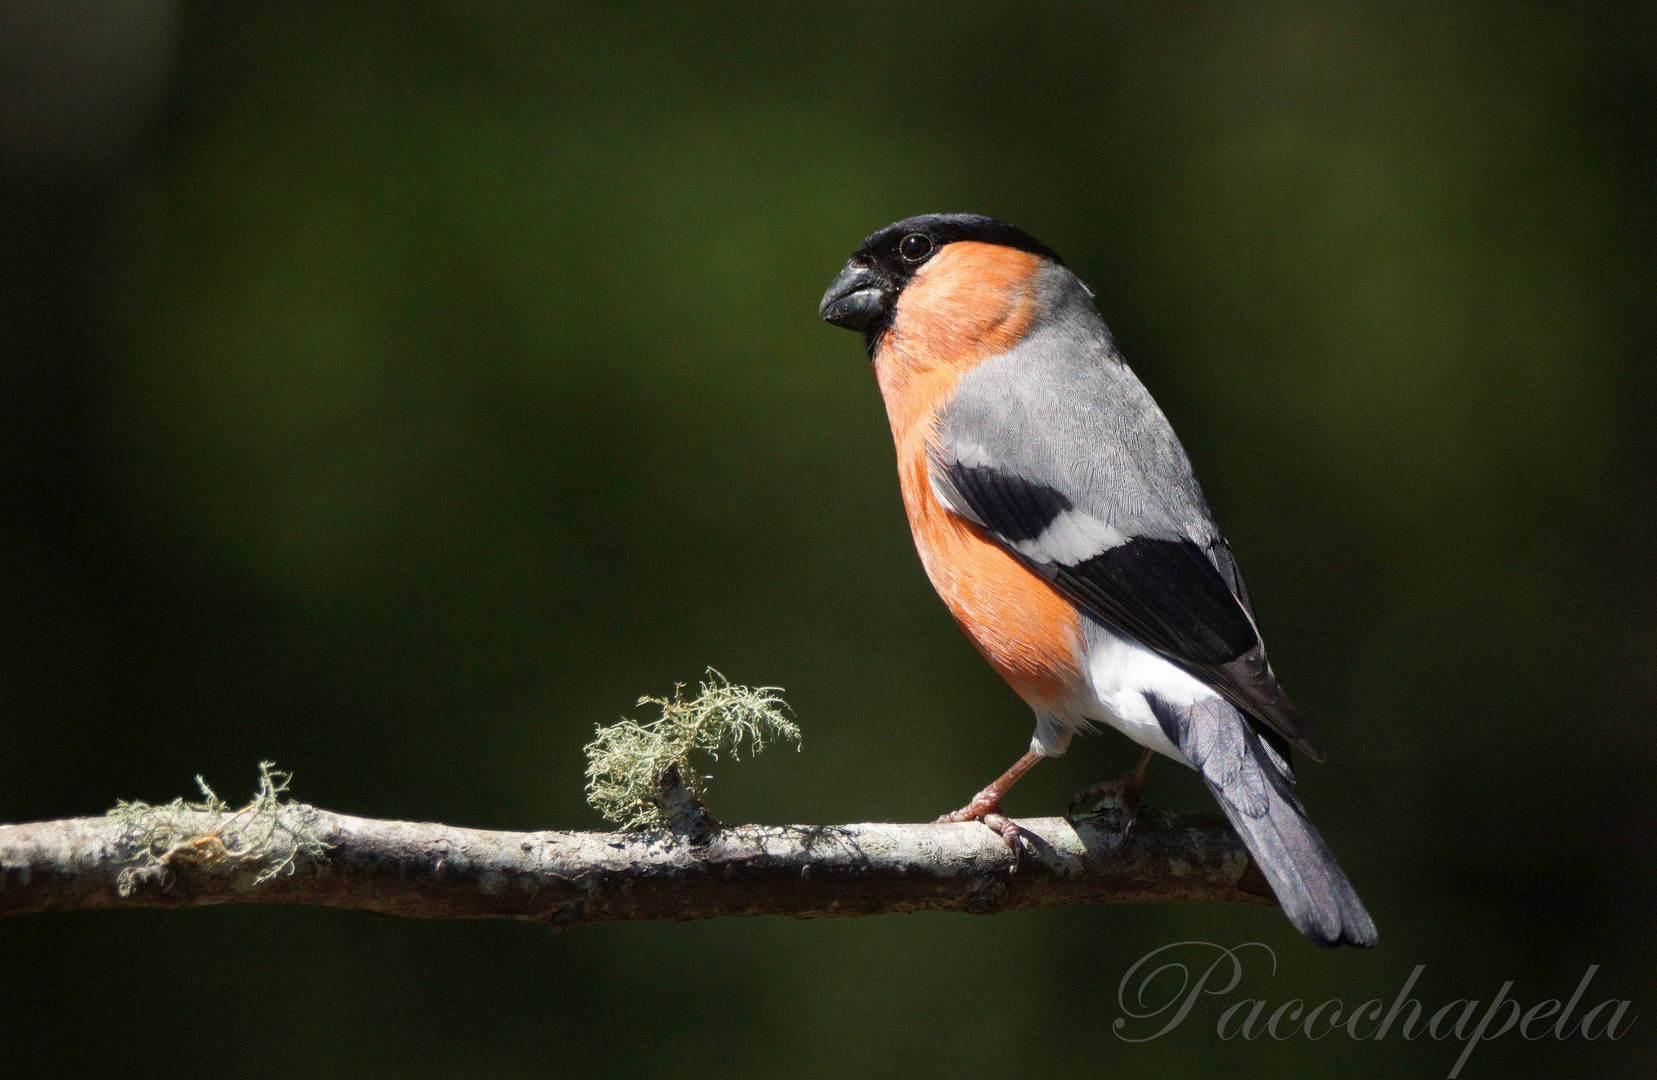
[(989, 812), (1125, 793), (986, 805)]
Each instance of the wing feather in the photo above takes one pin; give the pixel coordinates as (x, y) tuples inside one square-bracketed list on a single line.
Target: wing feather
[(1171, 595)]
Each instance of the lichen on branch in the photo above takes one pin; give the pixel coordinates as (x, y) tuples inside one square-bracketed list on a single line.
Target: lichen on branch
[(628, 761), (269, 835)]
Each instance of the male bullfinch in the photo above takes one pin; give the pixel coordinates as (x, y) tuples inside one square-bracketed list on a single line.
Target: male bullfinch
[(1059, 518)]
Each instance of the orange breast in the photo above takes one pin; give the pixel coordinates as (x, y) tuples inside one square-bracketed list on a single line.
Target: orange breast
[(971, 302), (1024, 628)]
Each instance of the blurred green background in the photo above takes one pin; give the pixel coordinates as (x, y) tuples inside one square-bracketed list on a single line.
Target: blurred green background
[(399, 391)]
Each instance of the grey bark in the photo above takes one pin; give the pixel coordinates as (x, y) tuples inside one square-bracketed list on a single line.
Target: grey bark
[(702, 870)]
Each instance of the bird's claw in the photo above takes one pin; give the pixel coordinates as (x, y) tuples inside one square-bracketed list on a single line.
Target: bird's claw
[(992, 817), (1009, 831)]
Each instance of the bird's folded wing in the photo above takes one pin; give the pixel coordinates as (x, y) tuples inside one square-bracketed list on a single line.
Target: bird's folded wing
[(1159, 573)]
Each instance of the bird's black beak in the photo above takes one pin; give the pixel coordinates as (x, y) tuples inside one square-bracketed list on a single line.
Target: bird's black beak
[(857, 300)]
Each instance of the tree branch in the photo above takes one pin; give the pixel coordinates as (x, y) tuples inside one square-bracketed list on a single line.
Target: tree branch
[(198, 855)]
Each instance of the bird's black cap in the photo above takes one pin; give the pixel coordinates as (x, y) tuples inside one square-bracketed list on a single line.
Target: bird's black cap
[(944, 229)]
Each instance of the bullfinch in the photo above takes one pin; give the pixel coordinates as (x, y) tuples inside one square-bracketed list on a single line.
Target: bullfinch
[(1059, 518)]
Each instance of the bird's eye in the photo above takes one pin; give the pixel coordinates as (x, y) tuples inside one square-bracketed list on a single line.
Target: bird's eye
[(914, 247)]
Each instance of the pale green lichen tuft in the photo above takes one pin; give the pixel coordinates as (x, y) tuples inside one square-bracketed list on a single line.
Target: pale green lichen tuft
[(269, 833), (626, 762)]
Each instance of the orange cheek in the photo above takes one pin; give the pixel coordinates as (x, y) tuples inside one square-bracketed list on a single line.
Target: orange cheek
[(969, 302)]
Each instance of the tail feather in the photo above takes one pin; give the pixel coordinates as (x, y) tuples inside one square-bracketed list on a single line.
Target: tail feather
[(1254, 786)]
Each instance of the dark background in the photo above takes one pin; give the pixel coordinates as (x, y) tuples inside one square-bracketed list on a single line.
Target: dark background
[(399, 392)]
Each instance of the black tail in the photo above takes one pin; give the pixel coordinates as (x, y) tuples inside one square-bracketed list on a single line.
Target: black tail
[(1252, 783)]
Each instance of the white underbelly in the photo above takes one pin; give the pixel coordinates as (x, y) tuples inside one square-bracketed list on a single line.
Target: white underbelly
[(1121, 674)]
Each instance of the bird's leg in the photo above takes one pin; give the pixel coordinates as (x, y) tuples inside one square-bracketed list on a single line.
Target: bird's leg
[(1127, 790), (986, 805)]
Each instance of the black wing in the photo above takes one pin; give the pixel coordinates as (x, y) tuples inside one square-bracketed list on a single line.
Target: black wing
[(1167, 594)]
